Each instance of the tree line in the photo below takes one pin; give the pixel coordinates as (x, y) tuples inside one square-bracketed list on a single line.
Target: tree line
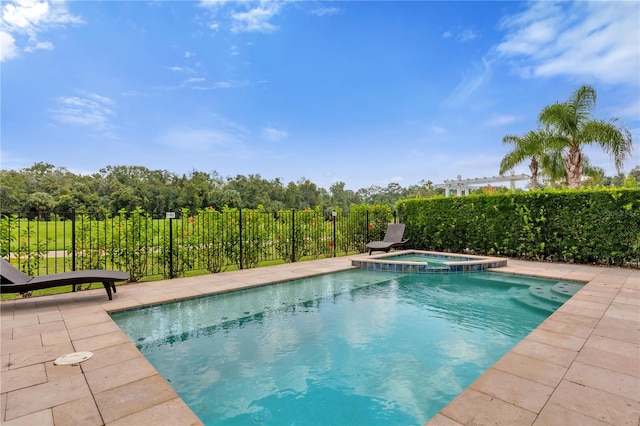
[(44, 187), (554, 151)]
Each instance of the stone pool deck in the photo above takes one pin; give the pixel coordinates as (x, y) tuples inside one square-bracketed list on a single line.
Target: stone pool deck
[(581, 366)]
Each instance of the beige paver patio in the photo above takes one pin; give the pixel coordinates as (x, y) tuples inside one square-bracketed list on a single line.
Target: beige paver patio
[(581, 366)]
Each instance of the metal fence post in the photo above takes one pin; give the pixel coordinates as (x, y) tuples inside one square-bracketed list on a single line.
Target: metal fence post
[(334, 214), (293, 235), (366, 232), (240, 237), (171, 248), (73, 240)]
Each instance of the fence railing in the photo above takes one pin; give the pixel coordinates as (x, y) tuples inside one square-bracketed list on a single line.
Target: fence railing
[(174, 245)]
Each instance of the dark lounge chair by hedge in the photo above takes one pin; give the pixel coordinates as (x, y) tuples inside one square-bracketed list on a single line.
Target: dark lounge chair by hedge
[(16, 281), (393, 237)]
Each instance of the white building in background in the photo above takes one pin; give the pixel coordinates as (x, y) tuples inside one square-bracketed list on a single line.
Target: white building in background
[(461, 186)]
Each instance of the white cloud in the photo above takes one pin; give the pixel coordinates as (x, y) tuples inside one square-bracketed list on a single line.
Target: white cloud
[(462, 36), (198, 139), (223, 137), (24, 20), (41, 45), (194, 80), (90, 109), (326, 11), (274, 135), (597, 40), (470, 84), (7, 46), (24, 14), (630, 110), (466, 35), (242, 16), (255, 20), (500, 120), (230, 84)]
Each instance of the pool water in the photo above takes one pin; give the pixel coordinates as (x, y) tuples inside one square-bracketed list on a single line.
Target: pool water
[(423, 258), (357, 347)]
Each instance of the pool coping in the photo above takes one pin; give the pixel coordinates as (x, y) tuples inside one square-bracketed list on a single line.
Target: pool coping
[(580, 366)]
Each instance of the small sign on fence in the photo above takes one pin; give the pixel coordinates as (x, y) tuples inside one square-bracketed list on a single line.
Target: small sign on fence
[(170, 215)]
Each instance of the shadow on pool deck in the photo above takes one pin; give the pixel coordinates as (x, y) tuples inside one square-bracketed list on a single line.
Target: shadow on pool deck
[(580, 366)]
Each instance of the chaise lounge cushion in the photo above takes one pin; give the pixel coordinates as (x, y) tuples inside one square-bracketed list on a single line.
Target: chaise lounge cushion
[(393, 237)]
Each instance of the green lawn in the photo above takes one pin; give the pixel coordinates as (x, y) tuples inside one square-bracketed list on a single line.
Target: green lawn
[(29, 233)]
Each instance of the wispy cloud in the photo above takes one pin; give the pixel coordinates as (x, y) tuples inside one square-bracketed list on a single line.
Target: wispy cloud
[(256, 19), (194, 80), (274, 135), (500, 120), (466, 35), (326, 11), (88, 109), (222, 137), (198, 140), (40, 45), (179, 69), (470, 83), (629, 111), (462, 36), (229, 84), (199, 82), (587, 40), (24, 21), (243, 16)]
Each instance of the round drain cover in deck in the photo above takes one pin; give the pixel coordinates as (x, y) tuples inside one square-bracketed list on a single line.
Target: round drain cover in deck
[(73, 358)]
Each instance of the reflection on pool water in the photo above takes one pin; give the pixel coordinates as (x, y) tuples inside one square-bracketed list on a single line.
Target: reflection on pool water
[(354, 347)]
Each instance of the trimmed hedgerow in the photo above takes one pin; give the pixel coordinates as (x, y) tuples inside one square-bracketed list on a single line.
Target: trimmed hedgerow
[(588, 226)]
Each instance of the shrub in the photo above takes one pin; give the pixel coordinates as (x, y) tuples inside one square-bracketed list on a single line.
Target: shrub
[(588, 226)]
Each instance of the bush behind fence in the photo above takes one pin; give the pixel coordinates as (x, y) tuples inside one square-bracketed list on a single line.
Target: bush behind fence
[(207, 240)]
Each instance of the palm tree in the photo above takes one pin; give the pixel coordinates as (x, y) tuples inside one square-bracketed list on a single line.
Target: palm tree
[(572, 121), (554, 171), (533, 145)]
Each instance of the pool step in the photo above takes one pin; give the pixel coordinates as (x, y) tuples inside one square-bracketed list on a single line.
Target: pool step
[(545, 297), (524, 296), (548, 293), (567, 288)]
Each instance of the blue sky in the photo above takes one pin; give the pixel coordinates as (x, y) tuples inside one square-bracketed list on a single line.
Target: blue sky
[(366, 93)]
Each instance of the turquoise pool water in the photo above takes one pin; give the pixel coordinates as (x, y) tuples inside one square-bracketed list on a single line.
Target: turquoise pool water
[(425, 258), (357, 347)]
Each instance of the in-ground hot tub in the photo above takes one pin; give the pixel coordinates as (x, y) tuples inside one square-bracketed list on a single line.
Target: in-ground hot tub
[(428, 262)]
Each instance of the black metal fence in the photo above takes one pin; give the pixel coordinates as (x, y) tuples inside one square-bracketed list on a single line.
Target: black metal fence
[(174, 245)]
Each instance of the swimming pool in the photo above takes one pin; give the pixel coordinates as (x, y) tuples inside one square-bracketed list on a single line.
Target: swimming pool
[(356, 347)]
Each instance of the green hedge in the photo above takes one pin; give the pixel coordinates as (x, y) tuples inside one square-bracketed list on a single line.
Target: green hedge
[(587, 226)]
